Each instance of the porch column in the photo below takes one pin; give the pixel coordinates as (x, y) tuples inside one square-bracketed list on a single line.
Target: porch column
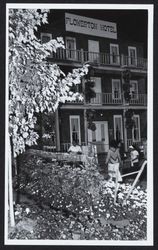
[(57, 130), (85, 127), (125, 130), (85, 114)]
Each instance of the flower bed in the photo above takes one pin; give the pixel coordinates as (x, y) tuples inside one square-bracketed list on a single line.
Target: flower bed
[(75, 203)]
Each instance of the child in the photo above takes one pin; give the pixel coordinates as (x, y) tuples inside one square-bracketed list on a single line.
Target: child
[(134, 154)]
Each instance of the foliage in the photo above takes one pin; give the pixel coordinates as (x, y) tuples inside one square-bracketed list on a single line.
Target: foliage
[(34, 84), (126, 75), (129, 119), (90, 119), (89, 92), (78, 203)]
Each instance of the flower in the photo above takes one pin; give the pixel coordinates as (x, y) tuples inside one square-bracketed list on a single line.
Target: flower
[(27, 210)]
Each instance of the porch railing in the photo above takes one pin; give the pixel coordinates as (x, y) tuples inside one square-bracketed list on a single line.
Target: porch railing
[(110, 98), (65, 146), (99, 58), (131, 142)]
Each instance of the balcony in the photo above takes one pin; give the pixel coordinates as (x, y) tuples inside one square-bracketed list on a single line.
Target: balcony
[(108, 98), (138, 99), (99, 59)]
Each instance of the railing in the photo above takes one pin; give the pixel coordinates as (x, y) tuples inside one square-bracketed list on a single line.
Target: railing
[(65, 146), (131, 142), (110, 98), (138, 99), (133, 62), (97, 58), (106, 98)]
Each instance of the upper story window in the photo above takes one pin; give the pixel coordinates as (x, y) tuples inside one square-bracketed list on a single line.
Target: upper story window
[(134, 89), (70, 48), (93, 51), (46, 37), (116, 89), (114, 54), (132, 56)]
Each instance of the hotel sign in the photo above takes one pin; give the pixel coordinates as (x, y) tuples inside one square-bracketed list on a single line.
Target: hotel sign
[(90, 26)]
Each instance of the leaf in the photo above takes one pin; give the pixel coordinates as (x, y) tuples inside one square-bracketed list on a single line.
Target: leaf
[(76, 236), (103, 221), (120, 223)]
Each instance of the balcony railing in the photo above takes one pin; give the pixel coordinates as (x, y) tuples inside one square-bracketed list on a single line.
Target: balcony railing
[(109, 98), (103, 59), (106, 98), (138, 99)]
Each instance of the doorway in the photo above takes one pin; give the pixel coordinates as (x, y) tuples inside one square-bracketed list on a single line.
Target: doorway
[(100, 136)]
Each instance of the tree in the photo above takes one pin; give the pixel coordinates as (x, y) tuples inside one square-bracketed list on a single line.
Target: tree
[(35, 85)]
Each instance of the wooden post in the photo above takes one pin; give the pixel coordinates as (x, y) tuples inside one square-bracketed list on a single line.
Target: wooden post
[(135, 181), (82, 56), (116, 185), (125, 130), (85, 127), (124, 117)]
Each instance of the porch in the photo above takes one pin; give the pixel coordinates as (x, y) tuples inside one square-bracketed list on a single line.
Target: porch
[(99, 145), (110, 99), (103, 59)]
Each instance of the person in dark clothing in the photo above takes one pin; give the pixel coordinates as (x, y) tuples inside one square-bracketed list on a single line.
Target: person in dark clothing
[(121, 149)]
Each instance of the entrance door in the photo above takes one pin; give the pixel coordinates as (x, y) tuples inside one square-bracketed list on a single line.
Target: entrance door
[(75, 134), (93, 49), (118, 129), (100, 136)]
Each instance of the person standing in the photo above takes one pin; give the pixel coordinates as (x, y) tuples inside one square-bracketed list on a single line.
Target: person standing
[(113, 161)]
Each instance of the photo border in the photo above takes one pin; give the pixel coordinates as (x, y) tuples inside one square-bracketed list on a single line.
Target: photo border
[(150, 240)]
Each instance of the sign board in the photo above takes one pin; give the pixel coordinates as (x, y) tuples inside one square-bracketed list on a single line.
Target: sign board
[(90, 26)]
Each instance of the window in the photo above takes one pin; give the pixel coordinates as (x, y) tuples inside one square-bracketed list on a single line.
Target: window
[(46, 37), (134, 89), (71, 48), (132, 56), (118, 129), (116, 89), (136, 128), (93, 51), (114, 54), (75, 129)]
